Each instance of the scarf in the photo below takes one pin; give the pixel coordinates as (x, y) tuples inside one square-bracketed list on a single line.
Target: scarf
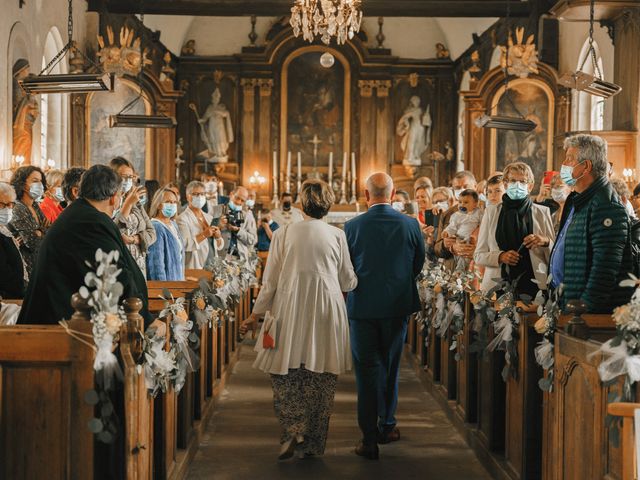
[(515, 223)]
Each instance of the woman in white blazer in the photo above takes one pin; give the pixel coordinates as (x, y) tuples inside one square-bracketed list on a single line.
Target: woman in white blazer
[(516, 237), (309, 267), (196, 230)]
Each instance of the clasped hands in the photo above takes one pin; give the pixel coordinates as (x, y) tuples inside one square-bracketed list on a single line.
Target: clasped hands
[(512, 257)]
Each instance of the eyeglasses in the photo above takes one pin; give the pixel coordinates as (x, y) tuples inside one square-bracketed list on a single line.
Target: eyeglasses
[(7, 205), (128, 177)]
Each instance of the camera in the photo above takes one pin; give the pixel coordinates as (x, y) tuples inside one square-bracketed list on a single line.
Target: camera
[(235, 218)]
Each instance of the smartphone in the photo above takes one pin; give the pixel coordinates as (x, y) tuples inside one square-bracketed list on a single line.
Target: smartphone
[(430, 219), (548, 176)]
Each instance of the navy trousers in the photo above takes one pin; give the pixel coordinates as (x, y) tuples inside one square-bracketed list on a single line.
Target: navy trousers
[(376, 345)]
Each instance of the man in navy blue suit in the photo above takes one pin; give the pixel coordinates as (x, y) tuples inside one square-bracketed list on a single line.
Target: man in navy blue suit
[(387, 251)]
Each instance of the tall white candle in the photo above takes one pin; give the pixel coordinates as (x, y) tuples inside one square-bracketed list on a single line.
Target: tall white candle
[(353, 173), (344, 167), (330, 176), (287, 187), (275, 174), (299, 173)]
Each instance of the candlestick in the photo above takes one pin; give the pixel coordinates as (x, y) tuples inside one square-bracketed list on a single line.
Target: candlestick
[(353, 178), (299, 176), (274, 200), (330, 176), (287, 187), (343, 184), (221, 188)]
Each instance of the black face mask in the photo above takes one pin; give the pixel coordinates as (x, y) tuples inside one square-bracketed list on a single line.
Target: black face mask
[(286, 206)]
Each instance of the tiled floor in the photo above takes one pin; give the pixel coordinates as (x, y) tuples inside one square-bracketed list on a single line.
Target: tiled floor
[(241, 441)]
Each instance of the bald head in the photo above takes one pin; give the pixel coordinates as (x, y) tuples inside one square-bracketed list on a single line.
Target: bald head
[(379, 188), (239, 196)]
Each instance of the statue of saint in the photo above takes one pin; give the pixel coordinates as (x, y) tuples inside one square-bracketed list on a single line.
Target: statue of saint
[(25, 113), (217, 131), (415, 129)]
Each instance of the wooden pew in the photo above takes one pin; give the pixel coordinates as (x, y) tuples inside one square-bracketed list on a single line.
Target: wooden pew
[(628, 437)]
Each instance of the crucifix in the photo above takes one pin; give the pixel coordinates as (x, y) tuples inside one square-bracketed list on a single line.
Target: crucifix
[(315, 142)]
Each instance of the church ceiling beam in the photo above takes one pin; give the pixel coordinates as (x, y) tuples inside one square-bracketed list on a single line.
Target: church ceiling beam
[(371, 8)]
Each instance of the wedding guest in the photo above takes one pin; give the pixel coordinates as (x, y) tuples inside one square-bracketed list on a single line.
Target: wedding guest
[(165, 260), (29, 223), (265, 233), (423, 182), (511, 228), (481, 190), (424, 203), (308, 268), (495, 190), (560, 191), (592, 254), (287, 214), (441, 201), (622, 189), (135, 225), (464, 223), (82, 228), (239, 225), (196, 230), (71, 183), (400, 201), (635, 200), (13, 279), (53, 196)]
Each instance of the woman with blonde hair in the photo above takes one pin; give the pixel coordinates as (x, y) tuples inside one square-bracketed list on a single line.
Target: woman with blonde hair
[(165, 258), (53, 196), (308, 268)]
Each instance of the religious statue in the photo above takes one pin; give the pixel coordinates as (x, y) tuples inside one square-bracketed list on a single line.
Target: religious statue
[(25, 112), (415, 129), (216, 129), (189, 48), (441, 52)]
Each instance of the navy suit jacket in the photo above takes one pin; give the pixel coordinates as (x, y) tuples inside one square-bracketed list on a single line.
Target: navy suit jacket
[(387, 251)]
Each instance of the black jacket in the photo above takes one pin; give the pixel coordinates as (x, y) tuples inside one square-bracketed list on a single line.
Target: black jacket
[(12, 268), (60, 268)]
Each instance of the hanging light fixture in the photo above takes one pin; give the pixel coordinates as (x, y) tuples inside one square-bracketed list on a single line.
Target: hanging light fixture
[(326, 19), (124, 119), (501, 122), (584, 82), (46, 82)]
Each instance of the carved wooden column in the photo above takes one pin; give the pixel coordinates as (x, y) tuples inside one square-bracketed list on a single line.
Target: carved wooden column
[(626, 104), (474, 138), (77, 137), (263, 157), (248, 133)]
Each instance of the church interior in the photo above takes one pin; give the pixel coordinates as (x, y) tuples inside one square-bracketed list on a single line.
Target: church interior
[(255, 102)]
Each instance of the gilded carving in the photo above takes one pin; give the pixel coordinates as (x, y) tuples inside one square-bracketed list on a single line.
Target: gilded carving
[(125, 57), (520, 58), (366, 88), (413, 80), (382, 88), (266, 86)]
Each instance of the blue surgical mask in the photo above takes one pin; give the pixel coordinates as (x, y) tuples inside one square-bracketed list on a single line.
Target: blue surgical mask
[(234, 207), (483, 198), (566, 173), (36, 190), (169, 209), (58, 194), (250, 203), (6, 215), (127, 184), (198, 201), (517, 191), (143, 200)]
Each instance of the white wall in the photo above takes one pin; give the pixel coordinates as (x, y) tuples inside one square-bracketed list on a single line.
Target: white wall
[(23, 32)]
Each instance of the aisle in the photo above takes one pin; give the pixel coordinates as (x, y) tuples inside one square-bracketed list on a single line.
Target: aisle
[(241, 441)]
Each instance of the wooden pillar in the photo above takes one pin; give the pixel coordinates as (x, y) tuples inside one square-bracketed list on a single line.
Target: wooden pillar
[(264, 139), (77, 135), (626, 104), (248, 133), (474, 138)]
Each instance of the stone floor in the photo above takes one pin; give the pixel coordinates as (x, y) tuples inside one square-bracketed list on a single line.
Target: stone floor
[(241, 442)]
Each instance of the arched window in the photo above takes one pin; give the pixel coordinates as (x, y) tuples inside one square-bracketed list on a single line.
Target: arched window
[(53, 109), (588, 111)]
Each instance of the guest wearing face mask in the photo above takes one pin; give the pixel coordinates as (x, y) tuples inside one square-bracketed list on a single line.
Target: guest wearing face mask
[(495, 190), (447, 247), (442, 199), (622, 189), (53, 197), (287, 214), (516, 236), (560, 191), (28, 222), (135, 225), (13, 279), (239, 225), (251, 201), (400, 202), (196, 229), (481, 190), (165, 260)]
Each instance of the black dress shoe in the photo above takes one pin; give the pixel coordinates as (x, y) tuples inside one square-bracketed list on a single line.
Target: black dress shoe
[(368, 451), (392, 436)]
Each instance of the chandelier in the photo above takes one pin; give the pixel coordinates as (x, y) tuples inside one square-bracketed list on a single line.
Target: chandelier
[(326, 19)]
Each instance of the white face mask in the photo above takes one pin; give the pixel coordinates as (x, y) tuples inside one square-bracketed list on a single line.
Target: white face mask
[(198, 201), (6, 215), (398, 206), (442, 206), (127, 184), (58, 194), (250, 203), (559, 195), (458, 192)]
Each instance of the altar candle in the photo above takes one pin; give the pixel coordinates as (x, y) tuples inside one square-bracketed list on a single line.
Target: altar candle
[(330, 168), (221, 188), (299, 169), (288, 186), (275, 165), (353, 173), (344, 167)]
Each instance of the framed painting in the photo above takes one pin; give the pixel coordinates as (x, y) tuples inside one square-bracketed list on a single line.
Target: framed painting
[(534, 100)]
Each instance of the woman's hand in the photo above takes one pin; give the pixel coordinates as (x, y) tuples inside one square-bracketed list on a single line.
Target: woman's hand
[(510, 258), (251, 323), (545, 192), (428, 231), (534, 241)]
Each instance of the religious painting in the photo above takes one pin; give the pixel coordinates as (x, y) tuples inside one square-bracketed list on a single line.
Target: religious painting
[(533, 100), (105, 143), (315, 109)]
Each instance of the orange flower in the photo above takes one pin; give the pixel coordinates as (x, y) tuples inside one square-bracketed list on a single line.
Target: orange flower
[(437, 289), (112, 322), (218, 283), (200, 304)]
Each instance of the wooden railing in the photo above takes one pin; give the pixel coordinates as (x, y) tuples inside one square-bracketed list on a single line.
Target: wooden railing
[(518, 431), (45, 373)]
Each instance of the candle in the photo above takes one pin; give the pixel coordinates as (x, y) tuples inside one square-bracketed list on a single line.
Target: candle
[(344, 167), (299, 171), (288, 185), (221, 189), (353, 174), (275, 166), (330, 176)]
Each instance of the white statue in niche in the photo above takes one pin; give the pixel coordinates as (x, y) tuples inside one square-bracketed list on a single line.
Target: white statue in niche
[(217, 131), (415, 129)]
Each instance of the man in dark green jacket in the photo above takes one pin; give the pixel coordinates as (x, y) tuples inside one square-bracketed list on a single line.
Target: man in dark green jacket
[(592, 252)]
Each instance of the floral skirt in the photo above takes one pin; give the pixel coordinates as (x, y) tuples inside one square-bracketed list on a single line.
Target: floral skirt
[(303, 402)]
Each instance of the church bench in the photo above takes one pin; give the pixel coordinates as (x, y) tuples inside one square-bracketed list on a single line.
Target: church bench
[(628, 436)]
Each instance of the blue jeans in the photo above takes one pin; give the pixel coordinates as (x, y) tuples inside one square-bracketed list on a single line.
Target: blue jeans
[(376, 345)]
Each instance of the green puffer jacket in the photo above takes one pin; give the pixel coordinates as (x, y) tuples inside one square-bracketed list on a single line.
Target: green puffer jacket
[(597, 250)]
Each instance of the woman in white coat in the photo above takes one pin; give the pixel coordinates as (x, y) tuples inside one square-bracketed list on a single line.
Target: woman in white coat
[(516, 237), (308, 269)]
